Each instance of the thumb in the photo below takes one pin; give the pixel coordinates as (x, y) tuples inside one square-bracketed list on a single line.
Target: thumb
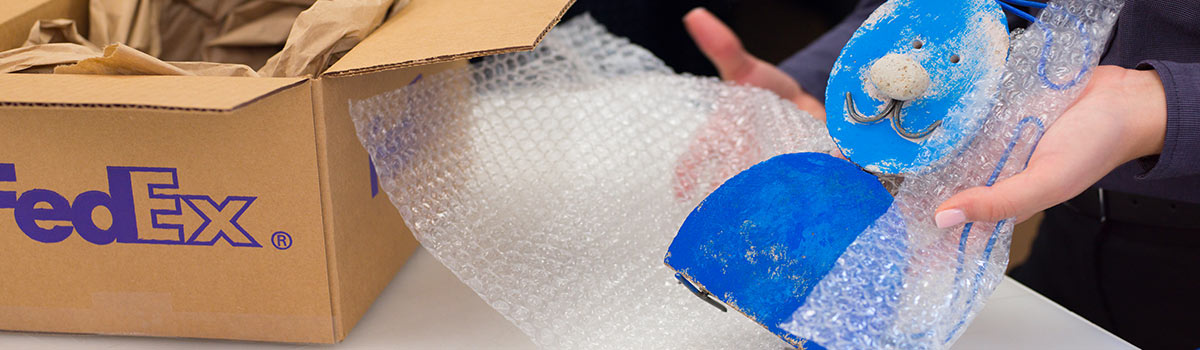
[(718, 42), (1022, 195)]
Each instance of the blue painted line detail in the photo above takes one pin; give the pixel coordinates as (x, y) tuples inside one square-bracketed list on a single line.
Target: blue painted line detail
[(987, 252)]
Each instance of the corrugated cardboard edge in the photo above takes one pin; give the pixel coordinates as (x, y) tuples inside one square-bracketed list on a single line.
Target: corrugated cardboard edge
[(368, 241), (118, 106), (318, 115), (341, 325), (459, 56), (152, 106)]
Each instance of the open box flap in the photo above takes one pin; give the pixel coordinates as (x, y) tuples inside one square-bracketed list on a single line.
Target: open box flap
[(428, 31), (137, 91), (12, 33), (16, 17)]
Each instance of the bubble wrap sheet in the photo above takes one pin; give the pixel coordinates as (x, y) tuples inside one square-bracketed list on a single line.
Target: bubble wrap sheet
[(945, 276), (551, 182)]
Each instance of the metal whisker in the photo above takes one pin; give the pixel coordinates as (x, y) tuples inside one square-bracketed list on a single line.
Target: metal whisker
[(892, 109), (912, 136)]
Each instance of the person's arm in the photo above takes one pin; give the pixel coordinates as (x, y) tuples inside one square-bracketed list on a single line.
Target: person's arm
[(1181, 146), (810, 67)]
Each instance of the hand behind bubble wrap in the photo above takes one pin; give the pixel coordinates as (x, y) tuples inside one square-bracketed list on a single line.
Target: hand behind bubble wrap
[(724, 146), (725, 51)]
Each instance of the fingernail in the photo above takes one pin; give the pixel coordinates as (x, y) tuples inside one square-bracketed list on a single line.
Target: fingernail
[(949, 218)]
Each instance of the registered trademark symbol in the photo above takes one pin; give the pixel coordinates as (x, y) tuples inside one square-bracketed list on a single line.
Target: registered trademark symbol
[(281, 240)]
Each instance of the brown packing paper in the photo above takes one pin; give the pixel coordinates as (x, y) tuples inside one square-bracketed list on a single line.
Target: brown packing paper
[(29, 58), (326, 29), (224, 31), (246, 32), (57, 31), (132, 22), (50, 43), (252, 32), (311, 33), (216, 69), (58, 43), (119, 59), (186, 24)]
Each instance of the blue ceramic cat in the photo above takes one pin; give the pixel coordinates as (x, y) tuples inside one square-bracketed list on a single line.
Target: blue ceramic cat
[(898, 101)]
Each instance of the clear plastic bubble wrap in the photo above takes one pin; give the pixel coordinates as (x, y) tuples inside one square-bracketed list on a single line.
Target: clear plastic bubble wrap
[(943, 277), (552, 182)]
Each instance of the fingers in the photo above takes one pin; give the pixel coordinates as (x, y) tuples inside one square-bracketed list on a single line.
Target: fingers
[(1088, 141), (1022, 195), (723, 48), (718, 42)]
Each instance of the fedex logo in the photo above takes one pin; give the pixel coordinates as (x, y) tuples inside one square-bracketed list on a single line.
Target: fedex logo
[(143, 205)]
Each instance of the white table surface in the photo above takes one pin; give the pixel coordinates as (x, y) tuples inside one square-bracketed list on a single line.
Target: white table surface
[(426, 307)]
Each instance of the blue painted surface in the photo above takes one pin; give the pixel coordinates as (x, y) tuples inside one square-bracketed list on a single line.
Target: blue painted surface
[(767, 236), (975, 30)]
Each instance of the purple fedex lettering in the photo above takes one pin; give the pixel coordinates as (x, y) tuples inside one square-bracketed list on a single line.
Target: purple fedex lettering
[(118, 201), (46, 216), (220, 220), (158, 191), (28, 215)]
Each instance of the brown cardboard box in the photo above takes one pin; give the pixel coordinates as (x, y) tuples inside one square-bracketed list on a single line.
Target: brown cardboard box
[(214, 207)]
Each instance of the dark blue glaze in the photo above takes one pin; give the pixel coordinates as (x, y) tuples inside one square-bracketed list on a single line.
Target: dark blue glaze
[(767, 236)]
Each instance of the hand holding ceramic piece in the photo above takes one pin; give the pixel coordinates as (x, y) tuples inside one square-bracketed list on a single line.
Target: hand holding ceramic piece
[(897, 103)]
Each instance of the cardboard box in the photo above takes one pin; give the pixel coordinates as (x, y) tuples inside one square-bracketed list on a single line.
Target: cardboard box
[(213, 207)]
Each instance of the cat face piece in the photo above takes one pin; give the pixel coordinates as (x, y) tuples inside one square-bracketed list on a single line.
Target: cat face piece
[(910, 89), (900, 96)]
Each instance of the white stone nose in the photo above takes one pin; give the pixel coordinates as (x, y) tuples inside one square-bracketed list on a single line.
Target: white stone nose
[(899, 77)]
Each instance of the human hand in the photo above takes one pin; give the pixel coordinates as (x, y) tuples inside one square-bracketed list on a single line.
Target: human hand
[(725, 51), (1120, 116)]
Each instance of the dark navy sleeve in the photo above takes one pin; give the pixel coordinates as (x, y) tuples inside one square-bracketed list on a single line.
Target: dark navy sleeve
[(810, 67), (1181, 147)]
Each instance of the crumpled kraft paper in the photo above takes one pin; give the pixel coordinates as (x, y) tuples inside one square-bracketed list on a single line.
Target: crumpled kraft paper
[(131, 22), (202, 37), (57, 31), (326, 29), (50, 43), (119, 59), (249, 33)]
